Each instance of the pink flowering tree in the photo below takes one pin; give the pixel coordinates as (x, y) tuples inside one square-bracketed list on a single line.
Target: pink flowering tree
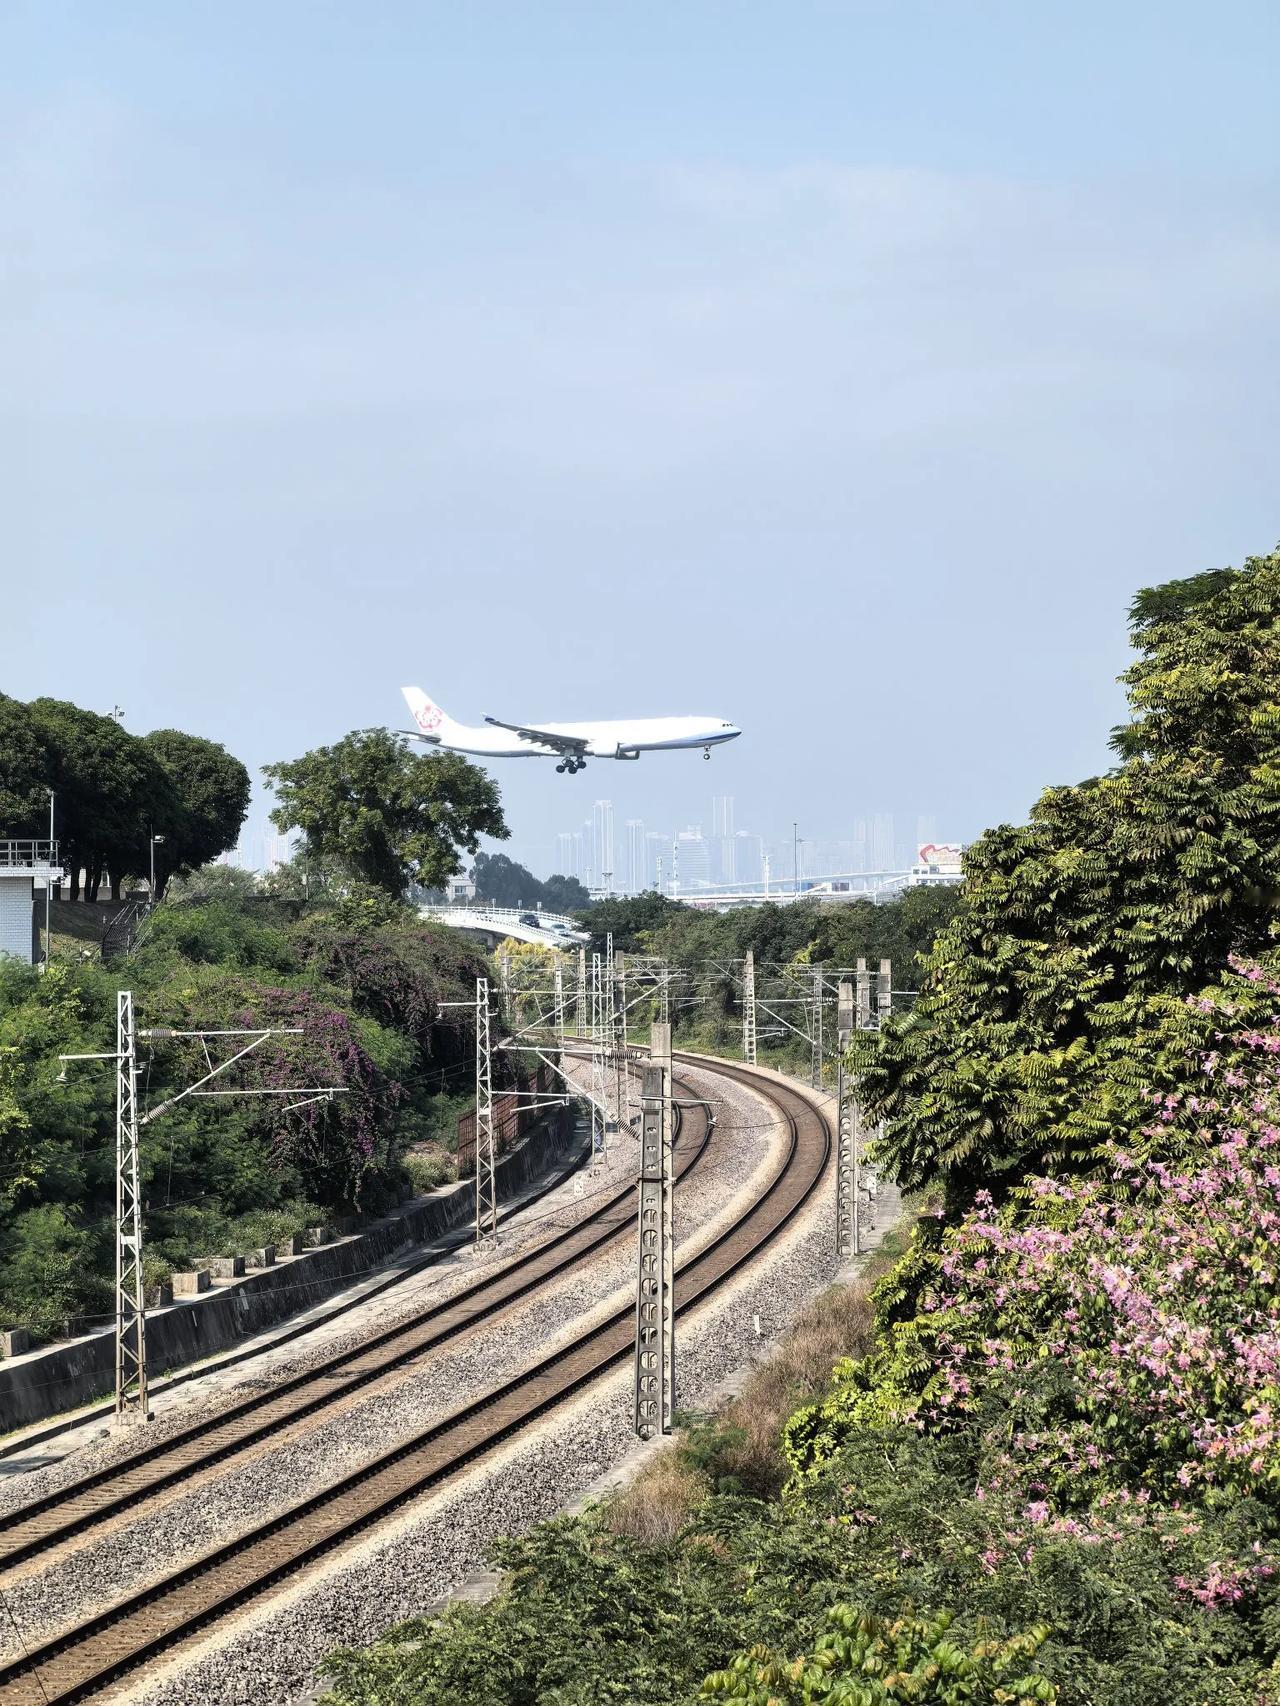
[(1113, 1337)]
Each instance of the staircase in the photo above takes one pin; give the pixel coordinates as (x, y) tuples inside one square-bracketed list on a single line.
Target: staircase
[(123, 929)]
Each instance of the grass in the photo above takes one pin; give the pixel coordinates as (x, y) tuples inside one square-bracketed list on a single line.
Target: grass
[(737, 1449)]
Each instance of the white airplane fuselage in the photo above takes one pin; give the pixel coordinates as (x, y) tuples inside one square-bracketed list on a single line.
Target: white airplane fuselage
[(622, 738)]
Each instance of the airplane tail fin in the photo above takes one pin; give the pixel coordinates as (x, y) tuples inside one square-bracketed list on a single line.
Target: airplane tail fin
[(431, 720)]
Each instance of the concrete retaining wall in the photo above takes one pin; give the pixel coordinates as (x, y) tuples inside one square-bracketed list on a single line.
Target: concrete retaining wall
[(65, 1376)]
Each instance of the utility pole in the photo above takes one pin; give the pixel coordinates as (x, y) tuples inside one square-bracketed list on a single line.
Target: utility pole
[(131, 1306), (664, 995), (620, 1040), (486, 1182), (48, 891), (655, 1312), (884, 991), (749, 1008), (558, 1005), (848, 1241), (504, 991), (580, 1005), (599, 1117), (795, 856), (864, 996), (815, 1033), (130, 1311)]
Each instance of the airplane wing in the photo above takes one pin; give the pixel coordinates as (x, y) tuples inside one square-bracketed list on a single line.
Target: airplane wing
[(572, 746)]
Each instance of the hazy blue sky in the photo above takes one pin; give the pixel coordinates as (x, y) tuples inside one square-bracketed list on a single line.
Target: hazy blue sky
[(839, 369)]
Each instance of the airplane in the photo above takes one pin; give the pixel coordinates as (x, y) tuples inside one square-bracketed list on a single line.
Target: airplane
[(570, 743)]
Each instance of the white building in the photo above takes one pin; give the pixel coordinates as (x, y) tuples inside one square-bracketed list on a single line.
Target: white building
[(25, 866)]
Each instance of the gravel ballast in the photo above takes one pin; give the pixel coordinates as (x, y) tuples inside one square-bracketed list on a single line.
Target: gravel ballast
[(269, 1657)]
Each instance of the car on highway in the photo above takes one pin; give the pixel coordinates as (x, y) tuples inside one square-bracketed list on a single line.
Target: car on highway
[(532, 920)]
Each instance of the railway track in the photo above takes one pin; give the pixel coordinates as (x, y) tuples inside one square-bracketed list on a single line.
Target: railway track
[(69, 1513), (79, 1663)]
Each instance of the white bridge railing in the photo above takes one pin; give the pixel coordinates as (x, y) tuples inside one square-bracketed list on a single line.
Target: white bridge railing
[(500, 916)]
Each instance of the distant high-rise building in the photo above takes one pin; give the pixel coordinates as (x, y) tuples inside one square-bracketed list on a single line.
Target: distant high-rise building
[(748, 857), (602, 844), (567, 854), (695, 860), (657, 847), (860, 846), (721, 815), (883, 851), (634, 873), (926, 831)]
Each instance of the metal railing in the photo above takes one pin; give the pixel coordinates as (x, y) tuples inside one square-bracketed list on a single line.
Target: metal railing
[(29, 853)]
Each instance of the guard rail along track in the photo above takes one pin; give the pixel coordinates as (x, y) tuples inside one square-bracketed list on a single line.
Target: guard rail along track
[(78, 1663)]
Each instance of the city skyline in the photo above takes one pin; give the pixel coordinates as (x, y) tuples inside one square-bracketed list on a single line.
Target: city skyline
[(686, 858)]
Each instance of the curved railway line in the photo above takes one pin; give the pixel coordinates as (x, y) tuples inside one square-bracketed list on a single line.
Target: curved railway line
[(82, 1661)]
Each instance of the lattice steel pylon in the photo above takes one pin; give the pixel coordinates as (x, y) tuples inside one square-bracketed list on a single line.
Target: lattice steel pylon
[(848, 1135), (815, 1031), (655, 1290), (558, 1006), (884, 991), (131, 1318), (863, 1016), (580, 1008), (599, 1044), (623, 1075), (749, 1008), (486, 1181)]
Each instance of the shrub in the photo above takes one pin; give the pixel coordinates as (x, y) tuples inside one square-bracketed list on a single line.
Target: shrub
[(862, 1660), (427, 1172)]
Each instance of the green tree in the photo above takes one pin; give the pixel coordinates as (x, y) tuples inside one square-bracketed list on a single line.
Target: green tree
[(389, 817), (502, 882), (1057, 998), (564, 894), (111, 789), (25, 771), (211, 795)]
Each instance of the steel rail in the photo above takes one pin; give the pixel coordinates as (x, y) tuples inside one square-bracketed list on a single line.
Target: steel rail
[(82, 1661), (70, 1512)]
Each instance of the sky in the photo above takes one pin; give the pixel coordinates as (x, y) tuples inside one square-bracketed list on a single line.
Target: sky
[(840, 370)]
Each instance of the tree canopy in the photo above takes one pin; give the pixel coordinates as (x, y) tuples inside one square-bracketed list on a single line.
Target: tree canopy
[(114, 790), (388, 816), (1063, 991)]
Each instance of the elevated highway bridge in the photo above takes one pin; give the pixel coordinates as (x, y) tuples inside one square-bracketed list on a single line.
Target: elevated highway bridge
[(494, 924)]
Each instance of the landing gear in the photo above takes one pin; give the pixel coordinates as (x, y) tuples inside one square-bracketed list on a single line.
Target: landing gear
[(560, 768), (706, 752), (572, 765)]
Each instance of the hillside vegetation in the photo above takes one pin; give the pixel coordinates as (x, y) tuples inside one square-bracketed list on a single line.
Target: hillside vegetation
[(1047, 1466), (361, 977)]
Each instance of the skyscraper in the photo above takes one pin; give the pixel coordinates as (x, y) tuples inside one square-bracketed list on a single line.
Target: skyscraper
[(657, 847), (748, 857), (634, 874), (883, 853), (602, 843), (721, 814), (695, 860), (567, 854)]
